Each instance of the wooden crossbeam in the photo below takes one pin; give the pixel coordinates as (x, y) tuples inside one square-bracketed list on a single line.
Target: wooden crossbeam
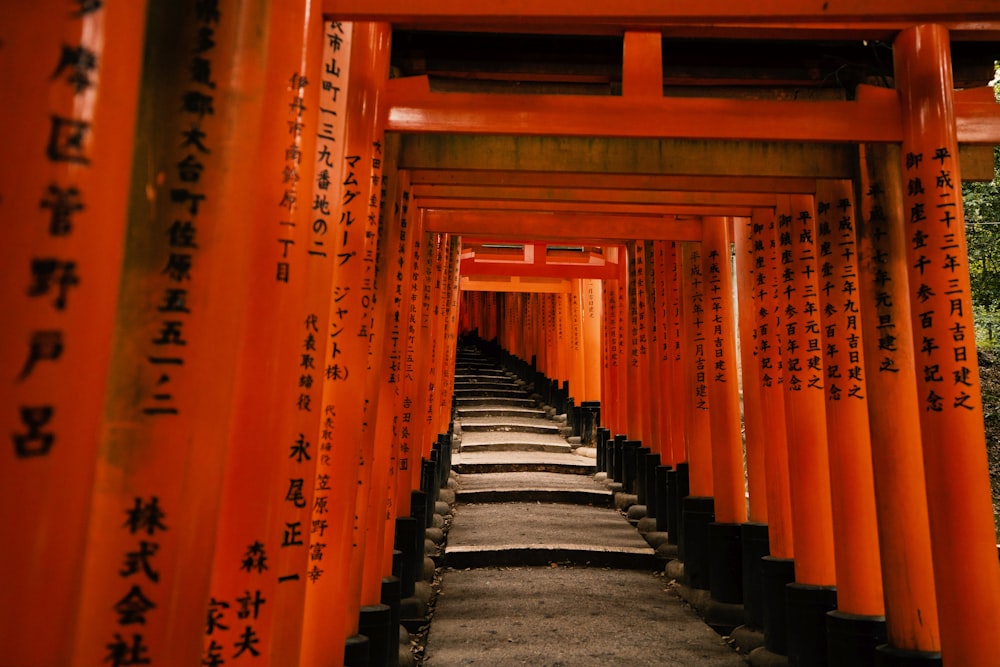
[(585, 196), (644, 12), (577, 228), (871, 118), (789, 185)]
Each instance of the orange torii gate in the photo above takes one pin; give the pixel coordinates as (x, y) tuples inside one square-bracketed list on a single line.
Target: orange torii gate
[(147, 549)]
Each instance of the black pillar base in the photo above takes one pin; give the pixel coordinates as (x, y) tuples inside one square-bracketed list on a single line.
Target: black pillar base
[(755, 545), (806, 621), (640, 475), (775, 575), (725, 564), (390, 597), (629, 448), (851, 639), (356, 651), (662, 500), (406, 542), (652, 492), (375, 622), (699, 511), (887, 656)]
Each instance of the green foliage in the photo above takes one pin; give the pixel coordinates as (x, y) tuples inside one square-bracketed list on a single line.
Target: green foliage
[(982, 234)]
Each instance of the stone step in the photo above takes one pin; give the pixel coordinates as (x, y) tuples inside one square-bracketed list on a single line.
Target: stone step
[(509, 425), (503, 401), (488, 386), (509, 392), (480, 462), (475, 412), (531, 533), (592, 497), (512, 445)]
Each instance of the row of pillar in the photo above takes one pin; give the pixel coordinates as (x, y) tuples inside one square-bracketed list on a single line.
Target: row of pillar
[(806, 378), (230, 341)]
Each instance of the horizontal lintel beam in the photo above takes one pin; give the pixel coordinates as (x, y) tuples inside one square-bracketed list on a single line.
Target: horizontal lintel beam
[(588, 196), (641, 12), (755, 184), (873, 117), (594, 208), (573, 227)]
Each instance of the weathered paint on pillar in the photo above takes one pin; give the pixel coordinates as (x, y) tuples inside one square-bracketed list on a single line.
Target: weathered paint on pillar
[(859, 579), (770, 336), (612, 390), (721, 373), (893, 415), (698, 437), (756, 431), (653, 331), (71, 86), (963, 540), (638, 357), (677, 351), (180, 311), (259, 577), (805, 403)]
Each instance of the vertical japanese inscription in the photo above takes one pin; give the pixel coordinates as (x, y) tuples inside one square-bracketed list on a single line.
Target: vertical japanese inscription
[(838, 287), (943, 342), (51, 274)]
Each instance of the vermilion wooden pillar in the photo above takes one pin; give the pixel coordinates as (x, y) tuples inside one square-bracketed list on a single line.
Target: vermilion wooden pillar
[(894, 415), (858, 625), (754, 416), (180, 312), (638, 371), (336, 600), (754, 532), (698, 451), (451, 288), (951, 416), (612, 390), (653, 366), (778, 568), (697, 509), (722, 378), (662, 352), (273, 447), (67, 125), (677, 353), (593, 312), (805, 419)]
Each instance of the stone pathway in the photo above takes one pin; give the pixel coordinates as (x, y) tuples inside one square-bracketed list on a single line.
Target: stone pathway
[(539, 568)]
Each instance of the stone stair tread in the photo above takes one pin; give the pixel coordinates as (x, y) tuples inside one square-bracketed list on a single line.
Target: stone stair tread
[(510, 421), (541, 524), (567, 616), (527, 480), (511, 437)]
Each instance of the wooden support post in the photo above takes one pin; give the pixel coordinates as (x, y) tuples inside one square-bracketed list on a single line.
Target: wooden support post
[(653, 372), (858, 625), (805, 419), (754, 538), (721, 377), (262, 552), (697, 440), (963, 540), (613, 389), (638, 355), (725, 564), (180, 312), (755, 419), (593, 313), (676, 352), (339, 596), (67, 126), (894, 413), (664, 348)]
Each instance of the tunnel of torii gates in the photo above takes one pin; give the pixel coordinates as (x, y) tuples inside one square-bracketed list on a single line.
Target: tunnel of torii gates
[(241, 251)]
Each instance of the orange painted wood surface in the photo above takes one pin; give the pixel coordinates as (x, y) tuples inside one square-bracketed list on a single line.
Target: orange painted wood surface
[(894, 414), (966, 573), (695, 365), (71, 90)]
